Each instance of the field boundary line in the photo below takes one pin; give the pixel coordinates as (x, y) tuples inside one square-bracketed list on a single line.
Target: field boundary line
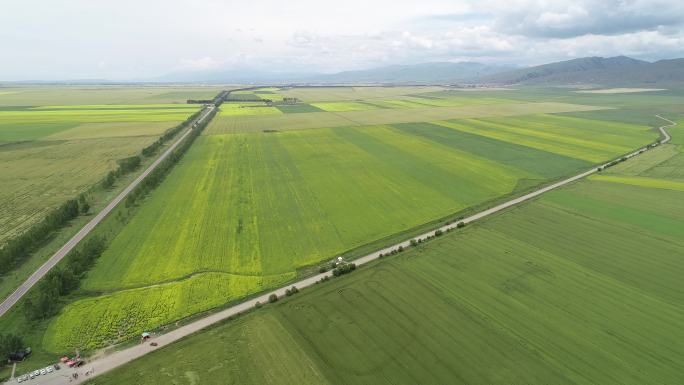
[(121, 357), (13, 298)]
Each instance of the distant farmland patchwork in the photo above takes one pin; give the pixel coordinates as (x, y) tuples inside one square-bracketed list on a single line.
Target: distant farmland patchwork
[(269, 191), (243, 212), (597, 299)]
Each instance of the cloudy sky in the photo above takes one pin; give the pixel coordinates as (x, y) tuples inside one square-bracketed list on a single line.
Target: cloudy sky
[(135, 39)]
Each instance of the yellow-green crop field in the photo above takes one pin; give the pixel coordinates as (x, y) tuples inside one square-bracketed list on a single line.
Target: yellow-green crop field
[(262, 205), (267, 193), (323, 94), (344, 106), (283, 122), (51, 153), (580, 286)]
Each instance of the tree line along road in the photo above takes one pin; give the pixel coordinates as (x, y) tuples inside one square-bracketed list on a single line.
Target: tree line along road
[(13, 298), (114, 360)]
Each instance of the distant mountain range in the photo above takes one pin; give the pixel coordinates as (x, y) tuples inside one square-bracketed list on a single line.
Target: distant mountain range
[(437, 72), (614, 71), (598, 71), (431, 73)]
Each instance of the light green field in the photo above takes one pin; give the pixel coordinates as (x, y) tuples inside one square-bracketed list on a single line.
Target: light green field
[(41, 175), (574, 137), (267, 204), (97, 94), (53, 153), (642, 181), (451, 101), (229, 124), (344, 106), (174, 106), (248, 110), (323, 94), (576, 287)]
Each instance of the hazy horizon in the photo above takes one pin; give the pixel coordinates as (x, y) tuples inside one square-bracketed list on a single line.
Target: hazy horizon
[(129, 40)]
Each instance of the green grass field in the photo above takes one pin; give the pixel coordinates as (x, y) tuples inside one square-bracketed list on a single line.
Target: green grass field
[(226, 124), (262, 197), (261, 206), (102, 95), (344, 106), (575, 287), (53, 153)]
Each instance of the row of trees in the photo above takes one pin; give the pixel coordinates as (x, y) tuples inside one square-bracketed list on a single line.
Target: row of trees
[(9, 343), (344, 268), (170, 133), (126, 165), (154, 178), (18, 249), (44, 300)]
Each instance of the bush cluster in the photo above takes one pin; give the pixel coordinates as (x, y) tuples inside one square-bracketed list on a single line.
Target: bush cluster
[(9, 343), (344, 269), (43, 301), (291, 291)]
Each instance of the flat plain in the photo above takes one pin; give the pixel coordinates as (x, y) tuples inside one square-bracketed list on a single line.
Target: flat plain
[(245, 211), (262, 198), (597, 299)]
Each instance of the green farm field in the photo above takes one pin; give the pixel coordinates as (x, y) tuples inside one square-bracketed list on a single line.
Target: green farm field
[(253, 209), (574, 287), (103, 95), (51, 153), (269, 119)]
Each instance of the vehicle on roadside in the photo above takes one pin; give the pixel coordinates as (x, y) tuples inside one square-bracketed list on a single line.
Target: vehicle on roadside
[(32, 375), (36, 372), (43, 371), (49, 369)]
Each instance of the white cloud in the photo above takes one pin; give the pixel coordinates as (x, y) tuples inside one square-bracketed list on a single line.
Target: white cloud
[(204, 63), (69, 38)]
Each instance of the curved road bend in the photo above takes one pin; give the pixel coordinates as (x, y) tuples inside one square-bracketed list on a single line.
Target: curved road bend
[(121, 357), (13, 298)]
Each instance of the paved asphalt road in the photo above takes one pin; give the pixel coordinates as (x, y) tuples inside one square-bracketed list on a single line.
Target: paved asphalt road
[(107, 363), (62, 252)]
